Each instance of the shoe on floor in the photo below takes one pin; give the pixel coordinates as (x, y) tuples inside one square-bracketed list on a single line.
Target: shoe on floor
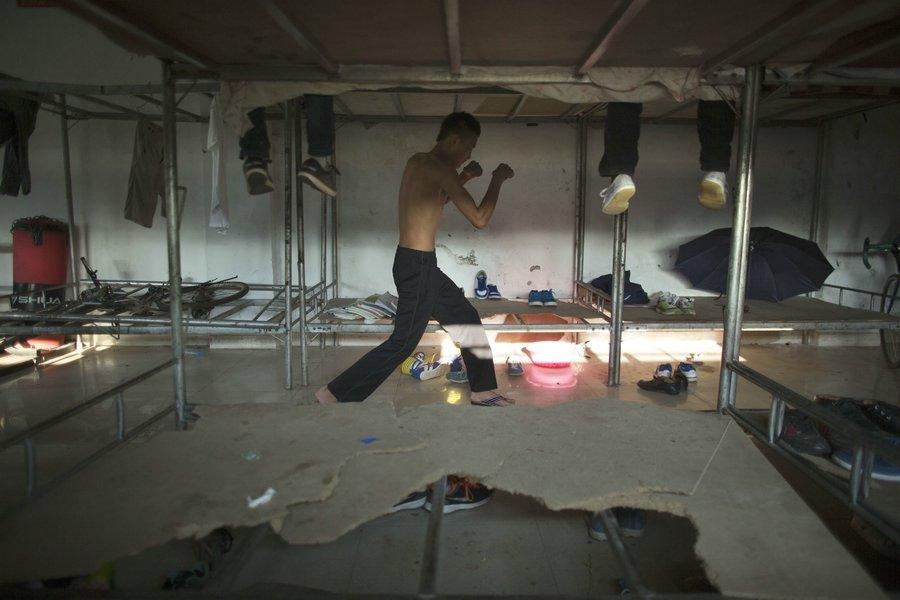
[(411, 502), (688, 370), (496, 401), (462, 494), (713, 190), (631, 523), (615, 198), (481, 289), (886, 416), (457, 372), (534, 298), (685, 305), (663, 370), (493, 293), (256, 172), (849, 410), (667, 304), (548, 297), (407, 365), (681, 380), (882, 469), (423, 371), (421, 367), (514, 367), (800, 433), (666, 385), (320, 178)]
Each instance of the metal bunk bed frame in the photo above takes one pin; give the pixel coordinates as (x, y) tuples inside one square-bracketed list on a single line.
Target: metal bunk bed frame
[(737, 273)]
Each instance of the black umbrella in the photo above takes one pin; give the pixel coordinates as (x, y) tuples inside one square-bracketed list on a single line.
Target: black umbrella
[(781, 265)]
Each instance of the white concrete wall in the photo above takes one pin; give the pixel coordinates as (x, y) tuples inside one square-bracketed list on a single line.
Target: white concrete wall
[(665, 212), (861, 198), (529, 241)]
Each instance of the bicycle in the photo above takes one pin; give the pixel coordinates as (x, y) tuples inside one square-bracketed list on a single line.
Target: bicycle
[(198, 299), (890, 338)]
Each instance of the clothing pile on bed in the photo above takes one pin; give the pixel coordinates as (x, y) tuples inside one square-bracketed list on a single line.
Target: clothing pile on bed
[(370, 309)]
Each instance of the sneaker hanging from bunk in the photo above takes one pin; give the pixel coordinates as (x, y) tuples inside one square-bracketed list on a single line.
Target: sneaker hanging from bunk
[(615, 198), (256, 172), (320, 178), (713, 190)]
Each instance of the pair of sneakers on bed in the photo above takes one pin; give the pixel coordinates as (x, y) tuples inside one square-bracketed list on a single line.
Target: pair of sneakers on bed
[(615, 198)]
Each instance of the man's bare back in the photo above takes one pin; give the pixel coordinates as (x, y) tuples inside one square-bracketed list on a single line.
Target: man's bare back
[(429, 181)]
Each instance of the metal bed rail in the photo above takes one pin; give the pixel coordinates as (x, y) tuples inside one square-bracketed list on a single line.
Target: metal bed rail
[(843, 288), (854, 493), (26, 438), (76, 320)]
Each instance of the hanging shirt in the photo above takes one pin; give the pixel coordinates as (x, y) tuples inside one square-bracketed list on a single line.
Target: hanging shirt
[(216, 145)]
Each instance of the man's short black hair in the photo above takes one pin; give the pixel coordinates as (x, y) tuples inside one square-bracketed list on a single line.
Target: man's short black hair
[(460, 123)]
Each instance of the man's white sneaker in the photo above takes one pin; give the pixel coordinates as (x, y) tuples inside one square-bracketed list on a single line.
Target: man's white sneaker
[(713, 190), (615, 198)]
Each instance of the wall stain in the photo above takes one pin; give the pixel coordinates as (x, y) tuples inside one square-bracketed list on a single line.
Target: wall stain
[(467, 259), (535, 268)]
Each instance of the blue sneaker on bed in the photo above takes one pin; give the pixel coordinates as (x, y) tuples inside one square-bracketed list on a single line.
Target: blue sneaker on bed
[(493, 292), (534, 298), (663, 370), (882, 468), (688, 370), (481, 288), (548, 297)]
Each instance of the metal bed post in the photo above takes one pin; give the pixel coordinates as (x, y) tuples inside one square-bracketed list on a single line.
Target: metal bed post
[(581, 192), (70, 203), (288, 268), (335, 220), (740, 234), (816, 212), (173, 241), (430, 555), (620, 238), (301, 243), (324, 260)]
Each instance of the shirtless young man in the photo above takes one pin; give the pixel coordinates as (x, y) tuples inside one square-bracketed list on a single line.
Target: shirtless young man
[(429, 182)]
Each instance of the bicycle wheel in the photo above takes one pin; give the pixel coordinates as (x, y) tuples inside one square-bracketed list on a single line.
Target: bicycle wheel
[(215, 294), (890, 338)]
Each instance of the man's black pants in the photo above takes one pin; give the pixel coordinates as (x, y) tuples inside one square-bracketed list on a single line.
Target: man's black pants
[(715, 127), (425, 292)]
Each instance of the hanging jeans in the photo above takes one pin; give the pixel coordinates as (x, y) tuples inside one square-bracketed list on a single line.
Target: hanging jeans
[(424, 292), (715, 127), (17, 120), (319, 130), (146, 182)]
